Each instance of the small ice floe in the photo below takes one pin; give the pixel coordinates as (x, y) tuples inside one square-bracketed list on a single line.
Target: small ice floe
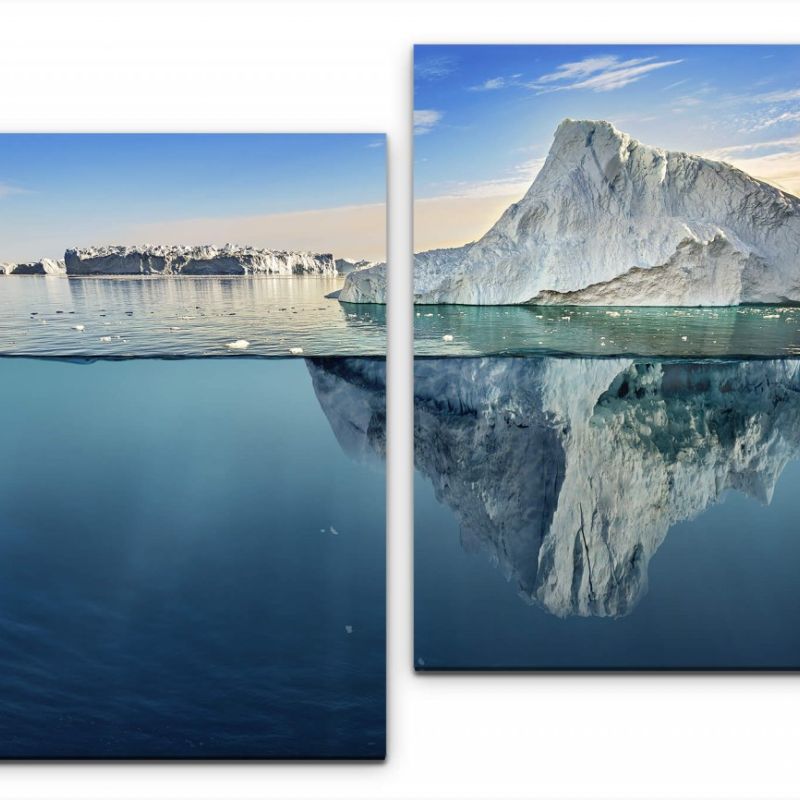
[(105, 338), (174, 328), (348, 629), (684, 338), (447, 338), (333, 530), (78, 327), (296, 351), (772, 316), (322, 530), (239, 344), (567, 319), (612, 313)]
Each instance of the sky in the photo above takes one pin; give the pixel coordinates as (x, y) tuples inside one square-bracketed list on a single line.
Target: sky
[(484, 117), (318, 192)]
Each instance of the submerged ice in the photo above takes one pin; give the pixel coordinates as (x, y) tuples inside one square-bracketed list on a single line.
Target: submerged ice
[(571, 472)]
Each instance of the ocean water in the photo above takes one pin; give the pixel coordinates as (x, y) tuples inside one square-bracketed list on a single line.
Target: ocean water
[(191, 557), (183, 316), (743, 331), (607, 514)]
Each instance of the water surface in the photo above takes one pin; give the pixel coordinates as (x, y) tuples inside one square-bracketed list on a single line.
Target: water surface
[(183, 316), (747, 331)]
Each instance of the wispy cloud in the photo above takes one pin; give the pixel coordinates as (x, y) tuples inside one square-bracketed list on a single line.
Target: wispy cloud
[(778, 96), (598, 74), (434, 68), (786, 116), (775, 161), (425, 120), (780, 169), (725, 153), (8, 189), (463, 211), (515, 182), (490, 84)]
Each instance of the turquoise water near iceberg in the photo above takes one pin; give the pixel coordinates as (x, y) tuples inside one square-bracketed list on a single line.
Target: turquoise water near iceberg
[(736, 331)]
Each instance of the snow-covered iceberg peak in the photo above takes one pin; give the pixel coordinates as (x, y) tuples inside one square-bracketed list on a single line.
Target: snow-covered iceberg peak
[(611, 221)]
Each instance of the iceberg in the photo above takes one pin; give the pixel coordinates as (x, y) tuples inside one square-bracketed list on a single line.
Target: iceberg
[(346, 265), (44, 266), (611, 221), (569, 473), (228, 259)]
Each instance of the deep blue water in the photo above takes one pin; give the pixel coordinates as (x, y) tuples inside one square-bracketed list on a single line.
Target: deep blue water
[(170, 581), (724, 594), (723, 590)]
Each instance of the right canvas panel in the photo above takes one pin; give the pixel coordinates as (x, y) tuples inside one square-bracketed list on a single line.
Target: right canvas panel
[(607, 383)]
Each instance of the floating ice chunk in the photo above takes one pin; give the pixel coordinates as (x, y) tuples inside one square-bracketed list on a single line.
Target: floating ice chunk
[(612, 313), (78, 327), (684, 338), (772, 316), (333, 531), (239, 344), (296, 351), (447, 338), (348, 629), (105, 338)]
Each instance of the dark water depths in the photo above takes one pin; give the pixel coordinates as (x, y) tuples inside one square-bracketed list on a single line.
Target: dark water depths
[(183, 316), (747, 331), (191, 565), (607, 514)]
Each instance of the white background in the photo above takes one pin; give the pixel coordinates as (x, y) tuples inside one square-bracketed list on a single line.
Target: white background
[(346, 66)]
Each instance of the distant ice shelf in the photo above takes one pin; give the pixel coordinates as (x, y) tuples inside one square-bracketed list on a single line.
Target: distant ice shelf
[(228, 259)]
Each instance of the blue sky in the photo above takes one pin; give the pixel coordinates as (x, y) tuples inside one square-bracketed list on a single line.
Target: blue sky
[(485, 115), (62, 190)]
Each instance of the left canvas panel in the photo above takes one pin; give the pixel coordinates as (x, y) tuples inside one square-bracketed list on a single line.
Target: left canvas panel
[(192, 528)]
